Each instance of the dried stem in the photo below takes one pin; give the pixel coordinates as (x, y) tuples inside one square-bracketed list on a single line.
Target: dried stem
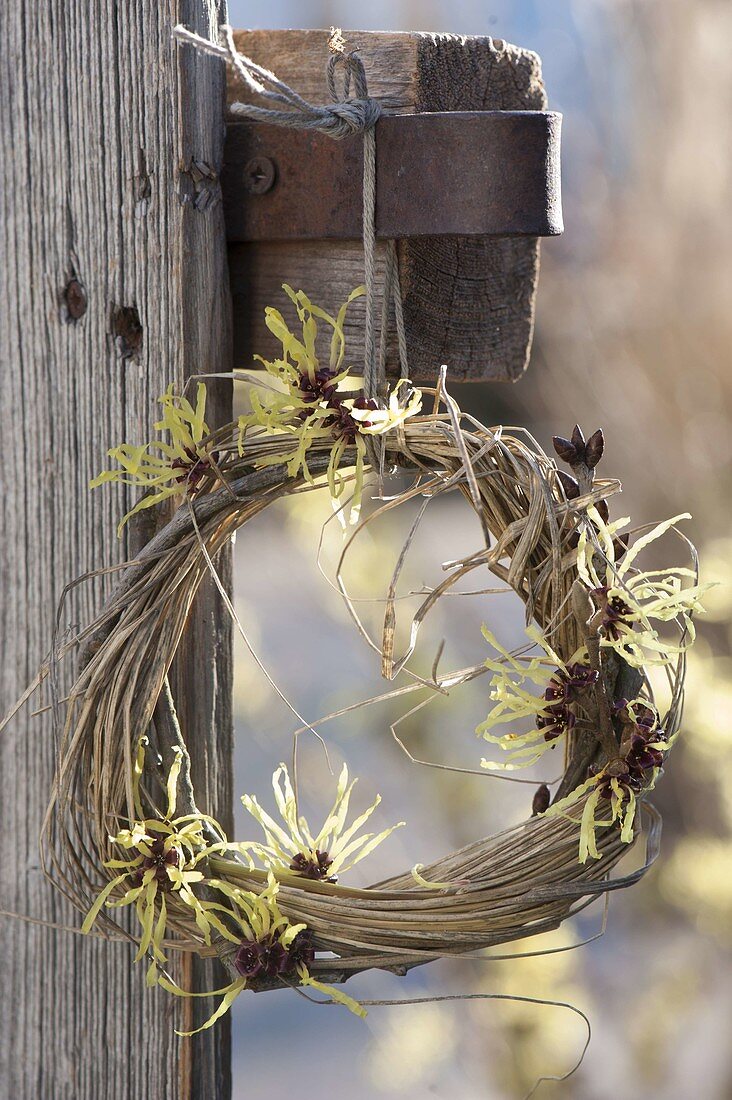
[(589, 622), (604, 711)]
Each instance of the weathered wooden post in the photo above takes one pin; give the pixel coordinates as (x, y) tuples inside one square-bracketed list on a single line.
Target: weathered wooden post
[(114, 285)]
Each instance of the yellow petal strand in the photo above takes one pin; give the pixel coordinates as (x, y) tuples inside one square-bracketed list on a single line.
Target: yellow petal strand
[(159, 933), (656, 533), (588, 844), (367, 849), (151, 975), (495, 644), (558, 808), (335, 994), (230, 993), (137, 771), (424, 883), (172, 784), (338, 343), (147, 918), (99, 902)]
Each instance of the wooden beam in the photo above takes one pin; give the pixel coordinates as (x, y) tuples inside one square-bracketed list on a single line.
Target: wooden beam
[(113, 284), (468, 301)]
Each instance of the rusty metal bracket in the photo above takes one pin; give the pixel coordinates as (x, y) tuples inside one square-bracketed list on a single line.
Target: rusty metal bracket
[(457, 173)]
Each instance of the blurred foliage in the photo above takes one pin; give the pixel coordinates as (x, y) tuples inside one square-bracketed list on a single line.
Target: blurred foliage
[(411, 1047)]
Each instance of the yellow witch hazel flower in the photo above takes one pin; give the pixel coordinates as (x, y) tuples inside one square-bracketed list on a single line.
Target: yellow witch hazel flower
[(163, 865), (614, 788), (377, 421), (313, 404), (323, 855), (561, 684), (170, 466), (270, 949), (631, 601)]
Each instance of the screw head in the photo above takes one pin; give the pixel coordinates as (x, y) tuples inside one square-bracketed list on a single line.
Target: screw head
[(259, 175)]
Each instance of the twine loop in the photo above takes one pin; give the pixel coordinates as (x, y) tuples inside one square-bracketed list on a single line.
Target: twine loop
[(354, 114)]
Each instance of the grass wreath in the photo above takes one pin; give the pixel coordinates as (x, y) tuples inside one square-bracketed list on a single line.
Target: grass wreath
[(273, 906)]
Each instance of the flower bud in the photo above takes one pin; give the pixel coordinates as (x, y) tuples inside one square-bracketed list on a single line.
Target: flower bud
[(603, 510), (565, 449), (569, 484), (541, 800), (593, 448), (578, 441)]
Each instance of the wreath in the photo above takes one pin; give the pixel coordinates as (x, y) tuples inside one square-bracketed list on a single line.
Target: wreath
[(124, 830)]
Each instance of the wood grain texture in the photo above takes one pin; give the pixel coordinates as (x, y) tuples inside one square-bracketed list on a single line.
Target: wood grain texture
[(113, 283), (468, 302)]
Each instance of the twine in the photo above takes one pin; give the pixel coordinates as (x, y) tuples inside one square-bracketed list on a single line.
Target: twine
[(343, 117)]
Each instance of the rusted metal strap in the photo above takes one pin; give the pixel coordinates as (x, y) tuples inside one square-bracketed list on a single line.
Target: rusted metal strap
[(457, 173)]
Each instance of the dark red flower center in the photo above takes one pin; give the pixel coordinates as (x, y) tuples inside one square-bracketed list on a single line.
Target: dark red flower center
[(315, 867), (269, 958), (564, 687), (641, 756), (344, 425), (193, 468), (158, 860), (615, 612), (318, 388)]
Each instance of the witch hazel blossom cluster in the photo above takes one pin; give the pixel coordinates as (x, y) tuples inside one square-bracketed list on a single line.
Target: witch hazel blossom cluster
[(639, 617), (550, 710), (612, 789), (168, 866), (316, 402), (292, 846), (176, 465), (634, 604), (297, 398)]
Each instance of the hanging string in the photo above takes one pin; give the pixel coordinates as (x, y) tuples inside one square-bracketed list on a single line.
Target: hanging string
[(341, 118), (393, 293)]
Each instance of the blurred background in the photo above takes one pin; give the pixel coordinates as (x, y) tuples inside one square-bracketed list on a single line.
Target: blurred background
[(633, 333)]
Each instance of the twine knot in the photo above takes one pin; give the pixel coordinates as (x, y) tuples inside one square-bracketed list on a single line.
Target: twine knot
[(360, 112), (350, 116)]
